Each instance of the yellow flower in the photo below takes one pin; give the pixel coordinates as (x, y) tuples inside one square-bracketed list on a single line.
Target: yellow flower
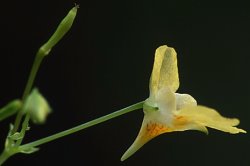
[(167, 111)]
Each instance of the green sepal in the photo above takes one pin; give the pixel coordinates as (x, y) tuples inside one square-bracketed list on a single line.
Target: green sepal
[(148, 106), (16, 136)]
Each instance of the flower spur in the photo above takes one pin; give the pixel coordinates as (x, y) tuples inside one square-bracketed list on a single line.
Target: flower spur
[(167, 111)]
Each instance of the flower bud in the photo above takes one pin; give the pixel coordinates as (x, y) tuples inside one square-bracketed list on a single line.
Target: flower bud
[(37, 107)]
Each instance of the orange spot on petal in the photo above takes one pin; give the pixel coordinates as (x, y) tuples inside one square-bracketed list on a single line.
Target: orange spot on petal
[(152, 130), (180, 121)]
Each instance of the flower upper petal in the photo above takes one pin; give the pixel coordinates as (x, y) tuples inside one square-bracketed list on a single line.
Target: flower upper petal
[(165, 70)]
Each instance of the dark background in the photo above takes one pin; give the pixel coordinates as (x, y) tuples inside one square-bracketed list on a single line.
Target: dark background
[(104, 64)]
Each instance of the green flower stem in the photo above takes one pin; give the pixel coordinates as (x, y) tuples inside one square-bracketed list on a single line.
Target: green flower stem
[(3, 157), (25, 125), (44, 50), (131, 108), (32, 76)]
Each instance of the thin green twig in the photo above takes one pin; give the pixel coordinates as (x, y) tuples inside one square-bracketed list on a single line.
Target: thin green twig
[(131, 108), (12, 145), (28, 87)]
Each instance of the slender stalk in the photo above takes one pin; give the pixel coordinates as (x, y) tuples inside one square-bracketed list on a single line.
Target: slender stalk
[(43, 51), (3, 157), (28, 87), (83, 126), (25, 125)]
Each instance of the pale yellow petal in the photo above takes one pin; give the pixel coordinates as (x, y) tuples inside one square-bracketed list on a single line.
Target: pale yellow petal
[(183, 123), (166, 103), (165, 70), (204, 116), (148, 131), (184, 100)]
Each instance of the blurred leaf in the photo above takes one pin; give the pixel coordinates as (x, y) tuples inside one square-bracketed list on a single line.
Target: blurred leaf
[(10, 109)]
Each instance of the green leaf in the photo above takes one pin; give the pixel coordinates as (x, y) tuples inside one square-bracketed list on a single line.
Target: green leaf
[(10, 109), (37, 106)]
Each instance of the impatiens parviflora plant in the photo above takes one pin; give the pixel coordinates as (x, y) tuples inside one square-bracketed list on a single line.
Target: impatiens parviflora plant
[(164, 110)]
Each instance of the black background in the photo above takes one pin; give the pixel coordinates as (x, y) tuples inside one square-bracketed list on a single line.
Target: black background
[(104, 64)]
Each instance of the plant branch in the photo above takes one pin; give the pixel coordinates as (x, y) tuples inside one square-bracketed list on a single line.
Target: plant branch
[(131, 108)]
